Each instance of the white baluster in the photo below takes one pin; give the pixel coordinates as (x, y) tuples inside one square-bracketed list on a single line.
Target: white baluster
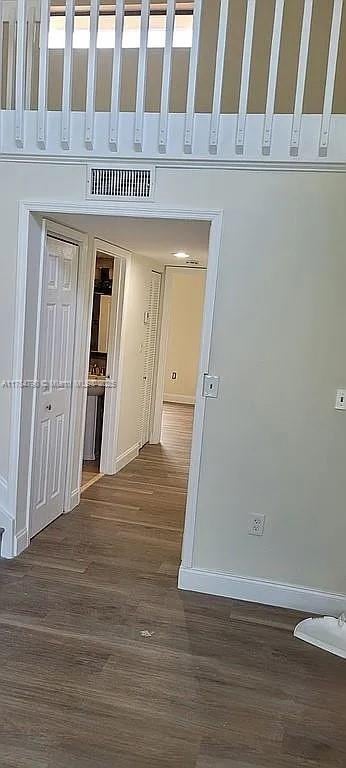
[(166, 76), (10, 57), (1, 51), (116, 75), (219, 72), (20, 72), (142, 76), (30, 43), (245, 75), (67, 76), (91, 79), (192, 81), (331, 72), (273, 76), (301, 76), (43, 76)]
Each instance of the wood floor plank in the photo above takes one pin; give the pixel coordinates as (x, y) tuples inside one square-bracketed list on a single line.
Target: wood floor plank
[(105, 664)]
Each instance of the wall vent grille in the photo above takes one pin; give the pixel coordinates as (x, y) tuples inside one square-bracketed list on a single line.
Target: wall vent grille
[(124, 183)]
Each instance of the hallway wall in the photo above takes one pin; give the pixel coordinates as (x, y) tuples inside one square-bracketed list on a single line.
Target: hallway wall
[(273, 442), (186, 300)]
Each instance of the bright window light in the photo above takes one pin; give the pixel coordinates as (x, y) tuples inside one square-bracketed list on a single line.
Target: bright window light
[(131, 38)]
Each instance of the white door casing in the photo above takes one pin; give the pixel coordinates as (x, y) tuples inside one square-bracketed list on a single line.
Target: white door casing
[(55, 366), (114, 360), (150, 353), (147, 211)]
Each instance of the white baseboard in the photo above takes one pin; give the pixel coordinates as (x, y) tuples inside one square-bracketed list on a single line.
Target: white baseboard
[(261, 591), (7, 545), (125, 458), (21, 541), (73, 501), (182, 399)]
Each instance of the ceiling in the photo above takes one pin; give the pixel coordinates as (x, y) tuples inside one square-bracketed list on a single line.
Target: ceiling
[(157, 238)]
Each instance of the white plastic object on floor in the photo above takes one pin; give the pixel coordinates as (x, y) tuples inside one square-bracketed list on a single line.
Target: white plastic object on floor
[(326, 632)]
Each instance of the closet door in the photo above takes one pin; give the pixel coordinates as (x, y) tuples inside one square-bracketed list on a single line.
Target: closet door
[(151, 320), (56, 345)]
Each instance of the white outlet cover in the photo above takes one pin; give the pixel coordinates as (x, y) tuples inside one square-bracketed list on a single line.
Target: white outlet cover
[(256, 525)]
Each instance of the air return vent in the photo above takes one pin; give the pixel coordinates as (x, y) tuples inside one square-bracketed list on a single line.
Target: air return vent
[(124, 183)]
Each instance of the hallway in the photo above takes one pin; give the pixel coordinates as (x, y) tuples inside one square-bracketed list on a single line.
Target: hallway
[(105, 664)]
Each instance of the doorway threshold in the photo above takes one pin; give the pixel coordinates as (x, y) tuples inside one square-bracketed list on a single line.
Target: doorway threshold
[(87, 482)]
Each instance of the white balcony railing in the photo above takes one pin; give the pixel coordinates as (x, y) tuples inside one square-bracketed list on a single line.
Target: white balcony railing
[(207, 79)]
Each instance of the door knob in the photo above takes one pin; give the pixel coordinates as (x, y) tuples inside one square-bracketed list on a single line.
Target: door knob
[(49, 407)]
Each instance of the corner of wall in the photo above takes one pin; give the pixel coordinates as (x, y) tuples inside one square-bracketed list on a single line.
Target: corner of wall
[(6, 521), (21, 541), (12, 543), (127, 456), (7, 545)]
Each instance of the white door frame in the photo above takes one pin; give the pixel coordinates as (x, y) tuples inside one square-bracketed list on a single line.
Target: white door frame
[(109, 447), (137, 210), (159, 391), (155, 380), (162, 345)]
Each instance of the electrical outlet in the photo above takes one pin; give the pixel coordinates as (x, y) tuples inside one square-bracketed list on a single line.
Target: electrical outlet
[(256, 525)]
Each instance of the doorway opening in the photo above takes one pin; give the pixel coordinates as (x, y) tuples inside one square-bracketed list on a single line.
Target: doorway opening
[(104, 294), (180, 354), (122, 337)]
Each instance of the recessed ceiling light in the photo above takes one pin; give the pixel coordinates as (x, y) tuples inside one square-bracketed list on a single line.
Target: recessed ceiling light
[(182, 255)]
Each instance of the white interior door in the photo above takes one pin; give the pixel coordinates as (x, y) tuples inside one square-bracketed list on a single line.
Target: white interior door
[(150, 351), (55, 364)]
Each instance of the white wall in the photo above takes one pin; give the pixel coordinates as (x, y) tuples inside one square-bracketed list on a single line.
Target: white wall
[(186, 300), (273, 442)]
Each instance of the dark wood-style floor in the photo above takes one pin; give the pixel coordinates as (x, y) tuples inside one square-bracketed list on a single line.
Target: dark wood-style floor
[(90, 473), (104, 664)]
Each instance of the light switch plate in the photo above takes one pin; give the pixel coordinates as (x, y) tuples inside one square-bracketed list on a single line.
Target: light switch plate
[(210, 385), (340, 403)]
